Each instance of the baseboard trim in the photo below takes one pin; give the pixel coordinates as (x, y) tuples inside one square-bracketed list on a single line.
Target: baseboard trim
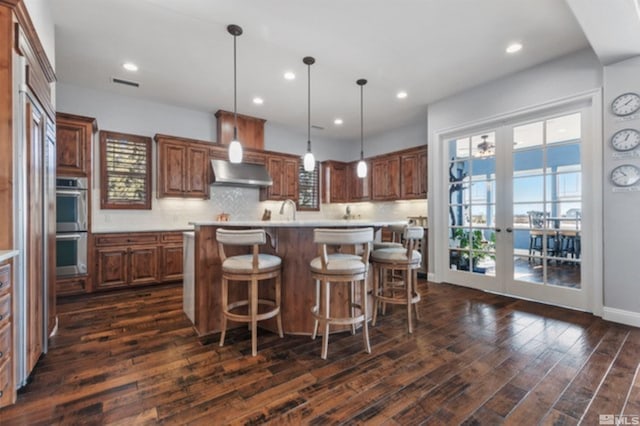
[(621, 316), (431, 276)]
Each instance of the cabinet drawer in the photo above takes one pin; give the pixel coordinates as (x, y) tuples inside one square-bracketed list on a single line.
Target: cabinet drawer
[(5, 382), (172, 237), (126, 239), (5, 342), (5, 309), (5, 279)]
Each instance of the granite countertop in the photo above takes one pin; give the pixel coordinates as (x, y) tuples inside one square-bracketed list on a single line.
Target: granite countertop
[(7, 254), (300, 223)]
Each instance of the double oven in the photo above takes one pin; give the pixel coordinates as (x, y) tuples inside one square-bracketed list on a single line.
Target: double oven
[(71, 226)]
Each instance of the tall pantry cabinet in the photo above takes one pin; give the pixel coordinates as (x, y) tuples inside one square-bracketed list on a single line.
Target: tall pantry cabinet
[(27, 189)]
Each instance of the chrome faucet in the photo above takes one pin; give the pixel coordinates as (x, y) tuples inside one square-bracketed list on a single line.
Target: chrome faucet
[(293, 204)]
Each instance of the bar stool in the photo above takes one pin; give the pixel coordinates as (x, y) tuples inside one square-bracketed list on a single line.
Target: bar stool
[(250, 269), (405, 259), (336, 268), (396, 238)]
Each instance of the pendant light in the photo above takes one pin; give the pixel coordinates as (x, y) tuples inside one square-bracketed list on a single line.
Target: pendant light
[(362, 166), (235, 148), (309, 159)]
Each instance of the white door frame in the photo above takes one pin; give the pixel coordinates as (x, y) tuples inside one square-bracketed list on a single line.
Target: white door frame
[(592, 265)]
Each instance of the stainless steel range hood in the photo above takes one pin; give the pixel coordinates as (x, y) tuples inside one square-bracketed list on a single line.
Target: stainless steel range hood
[(243, 174)]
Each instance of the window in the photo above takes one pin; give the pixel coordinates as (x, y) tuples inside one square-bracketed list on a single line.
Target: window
[(308, 196), (125, 171)]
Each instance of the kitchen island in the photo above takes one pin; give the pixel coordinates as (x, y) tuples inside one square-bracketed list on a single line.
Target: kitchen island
[(290, 240)]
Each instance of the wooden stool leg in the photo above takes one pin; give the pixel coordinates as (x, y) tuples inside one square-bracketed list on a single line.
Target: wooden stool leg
[(365, 327), (325, 335), (376, 292), (384, 276), (254, 313), (278, 304), (225, 303), (407, 281), (317, 308), (352, 308), (414, 290)]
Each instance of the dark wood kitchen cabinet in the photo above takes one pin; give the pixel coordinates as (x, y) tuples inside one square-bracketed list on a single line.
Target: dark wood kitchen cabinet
[(413, 178), (336, 179), (7, 381), (385, 178), (183, 168), (74, 142), (283, 169), (359, 188), (139, 258), (250, 130)]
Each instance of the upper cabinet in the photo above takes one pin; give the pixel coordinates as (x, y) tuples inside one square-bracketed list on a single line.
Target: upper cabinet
[(283, 169), (413, 179), (385, 178), (335, 175), (359, 188), (250, 130), (183, 168), (74, 140)]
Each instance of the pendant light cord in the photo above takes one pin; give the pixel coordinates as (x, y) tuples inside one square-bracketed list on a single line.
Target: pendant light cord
[(361, 123), (309, 108), (235, 93)]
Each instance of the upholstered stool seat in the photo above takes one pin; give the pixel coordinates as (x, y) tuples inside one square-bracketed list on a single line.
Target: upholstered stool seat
[(248, 269), (388, 287), (396, 237), (332, 269)]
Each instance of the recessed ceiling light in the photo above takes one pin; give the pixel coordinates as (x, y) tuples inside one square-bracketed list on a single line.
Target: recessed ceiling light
[(258, 101), (338, 121), (513, 48), (130, 66), (289, 75), (401, 94)]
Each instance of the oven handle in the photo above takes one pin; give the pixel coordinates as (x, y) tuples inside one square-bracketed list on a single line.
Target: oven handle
[(68, 236), (77, 193)]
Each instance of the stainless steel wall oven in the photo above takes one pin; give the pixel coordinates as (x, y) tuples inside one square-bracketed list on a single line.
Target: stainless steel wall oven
[(71, 226)]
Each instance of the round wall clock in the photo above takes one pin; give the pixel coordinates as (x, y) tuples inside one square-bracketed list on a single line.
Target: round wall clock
[(625, 140), (625, 175), (626, 104)]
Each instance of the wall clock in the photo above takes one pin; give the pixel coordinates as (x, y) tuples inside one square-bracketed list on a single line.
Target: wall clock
[(625, 140), (626, 104), (625, 175)]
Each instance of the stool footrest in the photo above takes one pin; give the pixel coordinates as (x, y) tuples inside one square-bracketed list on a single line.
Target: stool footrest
[(246, 317)]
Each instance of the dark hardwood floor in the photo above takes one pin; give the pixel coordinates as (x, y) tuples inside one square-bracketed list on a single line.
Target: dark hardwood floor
[(474, 358)]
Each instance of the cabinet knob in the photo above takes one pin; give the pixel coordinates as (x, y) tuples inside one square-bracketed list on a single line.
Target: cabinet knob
[(2, 284), (1, 354), (1, 317)]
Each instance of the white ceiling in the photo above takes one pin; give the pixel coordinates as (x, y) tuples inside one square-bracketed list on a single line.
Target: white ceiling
[(430, 48)]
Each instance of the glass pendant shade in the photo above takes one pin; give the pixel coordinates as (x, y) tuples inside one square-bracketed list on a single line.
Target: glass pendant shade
[(309, 162), (235, 152), (362, 169)]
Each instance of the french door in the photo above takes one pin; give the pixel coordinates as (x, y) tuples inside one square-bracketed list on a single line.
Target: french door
[(515, 209)]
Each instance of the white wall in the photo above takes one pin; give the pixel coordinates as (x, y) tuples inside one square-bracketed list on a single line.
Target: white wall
[(621, 217), (282, 139), (563, 78), (413, 134)]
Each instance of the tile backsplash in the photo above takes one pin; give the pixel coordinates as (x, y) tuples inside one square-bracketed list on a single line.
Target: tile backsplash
[(240, 204)]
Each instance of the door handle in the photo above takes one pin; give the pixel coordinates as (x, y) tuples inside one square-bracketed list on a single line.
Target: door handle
[(509, 229), (498, 229)]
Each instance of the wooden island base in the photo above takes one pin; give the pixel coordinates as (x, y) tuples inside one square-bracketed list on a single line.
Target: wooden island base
[(294, 244)]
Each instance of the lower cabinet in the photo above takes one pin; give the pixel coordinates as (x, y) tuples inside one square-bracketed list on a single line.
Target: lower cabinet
[(141, 258), (7, 385)]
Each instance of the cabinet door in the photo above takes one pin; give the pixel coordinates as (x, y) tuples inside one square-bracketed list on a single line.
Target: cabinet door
[(379, 179), (197, 182), (171, 263), (73, 140), (291, 168), (393, 182), (171, 169), (339, 183), (275, 167), (422, 174), (143, 264), (359, 188), (409, 182), (112, 267), (250, 129)]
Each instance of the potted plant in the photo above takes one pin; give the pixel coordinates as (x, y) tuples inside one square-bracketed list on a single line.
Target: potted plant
[(474, 245)]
